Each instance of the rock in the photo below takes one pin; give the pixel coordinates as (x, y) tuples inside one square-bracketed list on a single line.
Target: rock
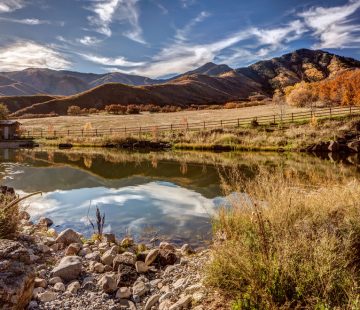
[(44, 221), (73, 249), (52, 232), (193, 288), (110, 238), (98, 268), (154, 283), (151, 302), (108, 257), (127, 304), (151, 257), (60, 287), (179, 283), (123, 292), (166, 246), (73, 287), (187, 249), (93, 256), (141, 267), (89, 283), (43, 248), (165, 296), (165, 305), (127, 275), (57, 247), (126, 258), (68, 269), (40, 283), (55, 280), (68, 236), (108, 283), (140, 289), (84, 251), (17, 275), (33, 305), (182, 303), (166, 257), (47, 296), (37, 291), (127, 242)]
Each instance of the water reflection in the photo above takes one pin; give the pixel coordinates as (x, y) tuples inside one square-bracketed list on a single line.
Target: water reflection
[(172, 194)]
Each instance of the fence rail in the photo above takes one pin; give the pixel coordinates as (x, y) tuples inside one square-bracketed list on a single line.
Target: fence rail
[(283, 118)]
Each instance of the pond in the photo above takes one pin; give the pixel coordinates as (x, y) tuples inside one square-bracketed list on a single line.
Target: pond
[(169, 195)]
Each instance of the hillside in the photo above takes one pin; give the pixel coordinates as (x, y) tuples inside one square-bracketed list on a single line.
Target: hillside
[(217, 84), (301, 65), (10, 87), (194, 89), (15, 103)]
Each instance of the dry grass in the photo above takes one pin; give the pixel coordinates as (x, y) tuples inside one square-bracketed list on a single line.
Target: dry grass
[(288, 243), (9, 217), (105, 121)]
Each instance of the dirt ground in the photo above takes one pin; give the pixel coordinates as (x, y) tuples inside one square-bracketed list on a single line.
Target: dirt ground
[(105, 121)]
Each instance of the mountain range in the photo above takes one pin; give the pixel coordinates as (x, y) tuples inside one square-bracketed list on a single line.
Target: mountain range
[(208, 84)]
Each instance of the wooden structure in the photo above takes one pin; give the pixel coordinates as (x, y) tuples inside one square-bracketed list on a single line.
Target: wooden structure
[(9, 129)]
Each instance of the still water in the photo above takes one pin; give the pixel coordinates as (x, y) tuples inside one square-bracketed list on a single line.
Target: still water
[(170, 195)]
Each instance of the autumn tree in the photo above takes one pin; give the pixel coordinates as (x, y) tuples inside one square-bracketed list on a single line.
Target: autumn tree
[(4, 112), (74, 110)]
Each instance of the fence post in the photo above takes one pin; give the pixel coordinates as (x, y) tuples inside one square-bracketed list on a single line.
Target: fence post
[(292, 117), (68, 132), (238, 122), (350, 110), (330, 112), (187, 125), (221, 123), (82, 132), (274, 119), (171, 127), (95, 132), (204, 125)]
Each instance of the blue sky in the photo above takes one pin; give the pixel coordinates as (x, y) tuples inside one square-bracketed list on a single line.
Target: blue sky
[(158, 38)]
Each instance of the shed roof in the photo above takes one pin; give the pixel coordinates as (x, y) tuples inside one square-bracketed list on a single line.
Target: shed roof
[(9, 122)]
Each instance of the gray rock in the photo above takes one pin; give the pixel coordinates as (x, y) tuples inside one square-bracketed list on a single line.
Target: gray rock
[(37, 291), (55, 280), (73, 249), (126, 258), (127, 304), (68, 269), (33, 305), (108, 257), (93, 256), (60, 287), (123, 293), (68, 236), (140, 288), (108, 283), (39, 282)]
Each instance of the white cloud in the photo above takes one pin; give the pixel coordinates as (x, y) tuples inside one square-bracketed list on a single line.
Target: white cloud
[(7, 6), (26, 54), (26, 21), (187, 3), (333, 25), (182, 34), (88, 40), (106, 61), (123, 11)]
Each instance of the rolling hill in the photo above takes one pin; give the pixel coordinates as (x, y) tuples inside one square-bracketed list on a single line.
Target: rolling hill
[(209, 84)]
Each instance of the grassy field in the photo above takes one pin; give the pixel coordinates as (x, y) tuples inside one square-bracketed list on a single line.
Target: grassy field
[(105, 121)]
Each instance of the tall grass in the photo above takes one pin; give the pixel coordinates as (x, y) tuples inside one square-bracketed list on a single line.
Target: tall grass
[(286, 244)]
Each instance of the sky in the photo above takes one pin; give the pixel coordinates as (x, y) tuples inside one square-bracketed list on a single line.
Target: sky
[(161, 38)]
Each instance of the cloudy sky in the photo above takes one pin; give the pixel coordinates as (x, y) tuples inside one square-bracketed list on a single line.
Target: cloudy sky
[(159, 38)]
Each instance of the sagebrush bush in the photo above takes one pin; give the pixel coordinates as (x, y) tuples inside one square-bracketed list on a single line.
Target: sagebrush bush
[(288, 243)]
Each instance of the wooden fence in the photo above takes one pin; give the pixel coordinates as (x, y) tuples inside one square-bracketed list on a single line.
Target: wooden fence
[(285, 118)]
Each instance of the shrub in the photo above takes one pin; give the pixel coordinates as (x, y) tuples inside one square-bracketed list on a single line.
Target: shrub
[(74, 110), (230, 105), (285, 245), (93, 111), (115, 109), (132, 109)]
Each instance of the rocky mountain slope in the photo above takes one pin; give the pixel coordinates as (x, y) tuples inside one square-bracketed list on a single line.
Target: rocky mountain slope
[(209, 84)]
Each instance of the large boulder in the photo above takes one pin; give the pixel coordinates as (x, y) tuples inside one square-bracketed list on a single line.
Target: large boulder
[(17, 275), (68, 269), (68, 236)]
